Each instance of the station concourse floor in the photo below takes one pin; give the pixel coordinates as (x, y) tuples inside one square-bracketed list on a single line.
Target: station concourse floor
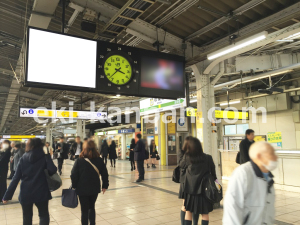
[(154, 201)]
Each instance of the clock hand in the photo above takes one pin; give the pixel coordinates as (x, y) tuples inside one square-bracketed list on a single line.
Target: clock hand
[(117, 70)]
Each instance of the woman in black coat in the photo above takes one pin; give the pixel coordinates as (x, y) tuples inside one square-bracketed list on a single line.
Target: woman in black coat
[(196, 164), (153, 153), (85, 178), (112, 154), (4, 160), (34, 187), (131, 154), (104, 151)]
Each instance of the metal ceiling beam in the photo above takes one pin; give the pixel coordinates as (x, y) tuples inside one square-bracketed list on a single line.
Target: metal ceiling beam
[(283, 33), (224, 19), (247, 31), (43, 6), (22, 93)]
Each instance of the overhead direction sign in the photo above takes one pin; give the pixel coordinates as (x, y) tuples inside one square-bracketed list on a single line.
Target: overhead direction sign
[(222, 114), (47, 113)]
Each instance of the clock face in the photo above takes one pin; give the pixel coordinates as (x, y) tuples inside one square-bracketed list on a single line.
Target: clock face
[(118, 70)]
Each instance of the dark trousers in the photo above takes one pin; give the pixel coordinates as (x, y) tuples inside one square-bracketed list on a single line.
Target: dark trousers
[(3, 184), (105, 159), (111, 161), (76, 156), (88, 209), (132, 165), (43, 213), (140, 168), (60, 162)]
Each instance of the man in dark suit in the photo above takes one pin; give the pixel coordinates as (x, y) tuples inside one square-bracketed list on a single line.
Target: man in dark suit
[(139, 157), (245, 145), (63, 149), (76, 148)]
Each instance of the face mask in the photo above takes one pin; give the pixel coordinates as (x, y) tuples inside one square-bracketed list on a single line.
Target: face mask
[(272, 165), (4, 146)]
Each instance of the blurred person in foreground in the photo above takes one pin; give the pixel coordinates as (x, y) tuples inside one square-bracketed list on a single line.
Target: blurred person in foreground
[(4, 160), (34, 187), (250, 194), (85, 178)]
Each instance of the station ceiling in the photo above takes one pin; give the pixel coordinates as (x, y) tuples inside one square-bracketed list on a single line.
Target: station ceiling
[(182, 18)]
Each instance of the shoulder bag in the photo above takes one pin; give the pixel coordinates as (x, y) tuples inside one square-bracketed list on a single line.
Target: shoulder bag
[(157, 157), (238, 158), (211, 189), (54, 181)]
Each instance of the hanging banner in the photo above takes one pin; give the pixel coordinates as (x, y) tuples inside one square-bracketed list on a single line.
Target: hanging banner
[(154, 105)]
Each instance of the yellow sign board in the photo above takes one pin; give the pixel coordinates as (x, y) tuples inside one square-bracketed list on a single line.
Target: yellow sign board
[(259, 138), (45, 113), (221, 114), (171, 126), (21, 136), (274, 137), (66, 114)]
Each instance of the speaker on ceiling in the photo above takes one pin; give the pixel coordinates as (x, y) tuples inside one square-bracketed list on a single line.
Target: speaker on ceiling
[(88, 26)]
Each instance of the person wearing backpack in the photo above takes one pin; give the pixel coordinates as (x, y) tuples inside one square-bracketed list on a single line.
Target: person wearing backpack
[(85, 177), (196, 165)]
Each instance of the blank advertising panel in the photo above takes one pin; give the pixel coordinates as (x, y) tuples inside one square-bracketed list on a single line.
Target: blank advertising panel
[(61, 59)]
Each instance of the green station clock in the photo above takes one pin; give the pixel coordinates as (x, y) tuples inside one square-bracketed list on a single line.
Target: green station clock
[(117, 69)]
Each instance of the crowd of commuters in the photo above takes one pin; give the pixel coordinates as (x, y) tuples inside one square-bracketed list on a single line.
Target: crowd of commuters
[(249, 197)]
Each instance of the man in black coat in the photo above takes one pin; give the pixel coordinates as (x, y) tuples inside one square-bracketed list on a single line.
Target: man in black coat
[(63, 149), (139, 157), (76, 148), (4, 160), (245, 145)]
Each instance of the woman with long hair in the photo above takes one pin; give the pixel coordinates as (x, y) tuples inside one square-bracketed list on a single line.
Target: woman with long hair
[(196, 164), (131, 154), (112, 154), (153, 153), (34, 187), (85, 177)]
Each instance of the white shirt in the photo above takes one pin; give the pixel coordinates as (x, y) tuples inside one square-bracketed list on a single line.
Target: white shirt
[(78, 150)]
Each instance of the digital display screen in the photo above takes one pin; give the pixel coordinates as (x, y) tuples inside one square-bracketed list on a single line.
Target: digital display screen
[(162, 74), (61, 59)]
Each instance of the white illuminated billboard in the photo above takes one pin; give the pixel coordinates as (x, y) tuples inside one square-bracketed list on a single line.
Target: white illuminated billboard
[(61, 59)]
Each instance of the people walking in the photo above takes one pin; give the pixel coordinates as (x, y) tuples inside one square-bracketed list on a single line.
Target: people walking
[(196, 164), (250, 194), (153, 153), (63, 150), (112, 154), (139, 157), (104, 151), (11, 165), (245, 145), (20, 152), (76, 148), (85, 177), (5, 153), (147, 153), (47, 149), (131, 154), (34, 187)]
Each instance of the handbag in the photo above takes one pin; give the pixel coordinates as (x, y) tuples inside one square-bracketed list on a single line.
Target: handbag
[(69, 198), (54, 181), (176, 175), (157, 157)]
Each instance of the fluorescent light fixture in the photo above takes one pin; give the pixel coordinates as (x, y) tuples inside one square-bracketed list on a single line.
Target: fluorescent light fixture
[(128, 112), (193, 100), (44, 124), (285, 40), (269, 75), (230, 103), (118, 95), (293, 36), (238, 45)]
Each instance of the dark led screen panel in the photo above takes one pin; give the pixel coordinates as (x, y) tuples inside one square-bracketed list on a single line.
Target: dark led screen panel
[(161, 74), (61, 59)]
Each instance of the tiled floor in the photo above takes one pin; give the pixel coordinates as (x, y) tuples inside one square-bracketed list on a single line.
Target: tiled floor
[(152, 202)]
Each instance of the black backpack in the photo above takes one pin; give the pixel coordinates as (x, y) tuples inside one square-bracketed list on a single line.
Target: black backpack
[(210, 190)]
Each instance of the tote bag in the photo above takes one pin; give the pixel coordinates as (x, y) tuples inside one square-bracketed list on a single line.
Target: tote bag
[(54, 181), (69, 198)]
